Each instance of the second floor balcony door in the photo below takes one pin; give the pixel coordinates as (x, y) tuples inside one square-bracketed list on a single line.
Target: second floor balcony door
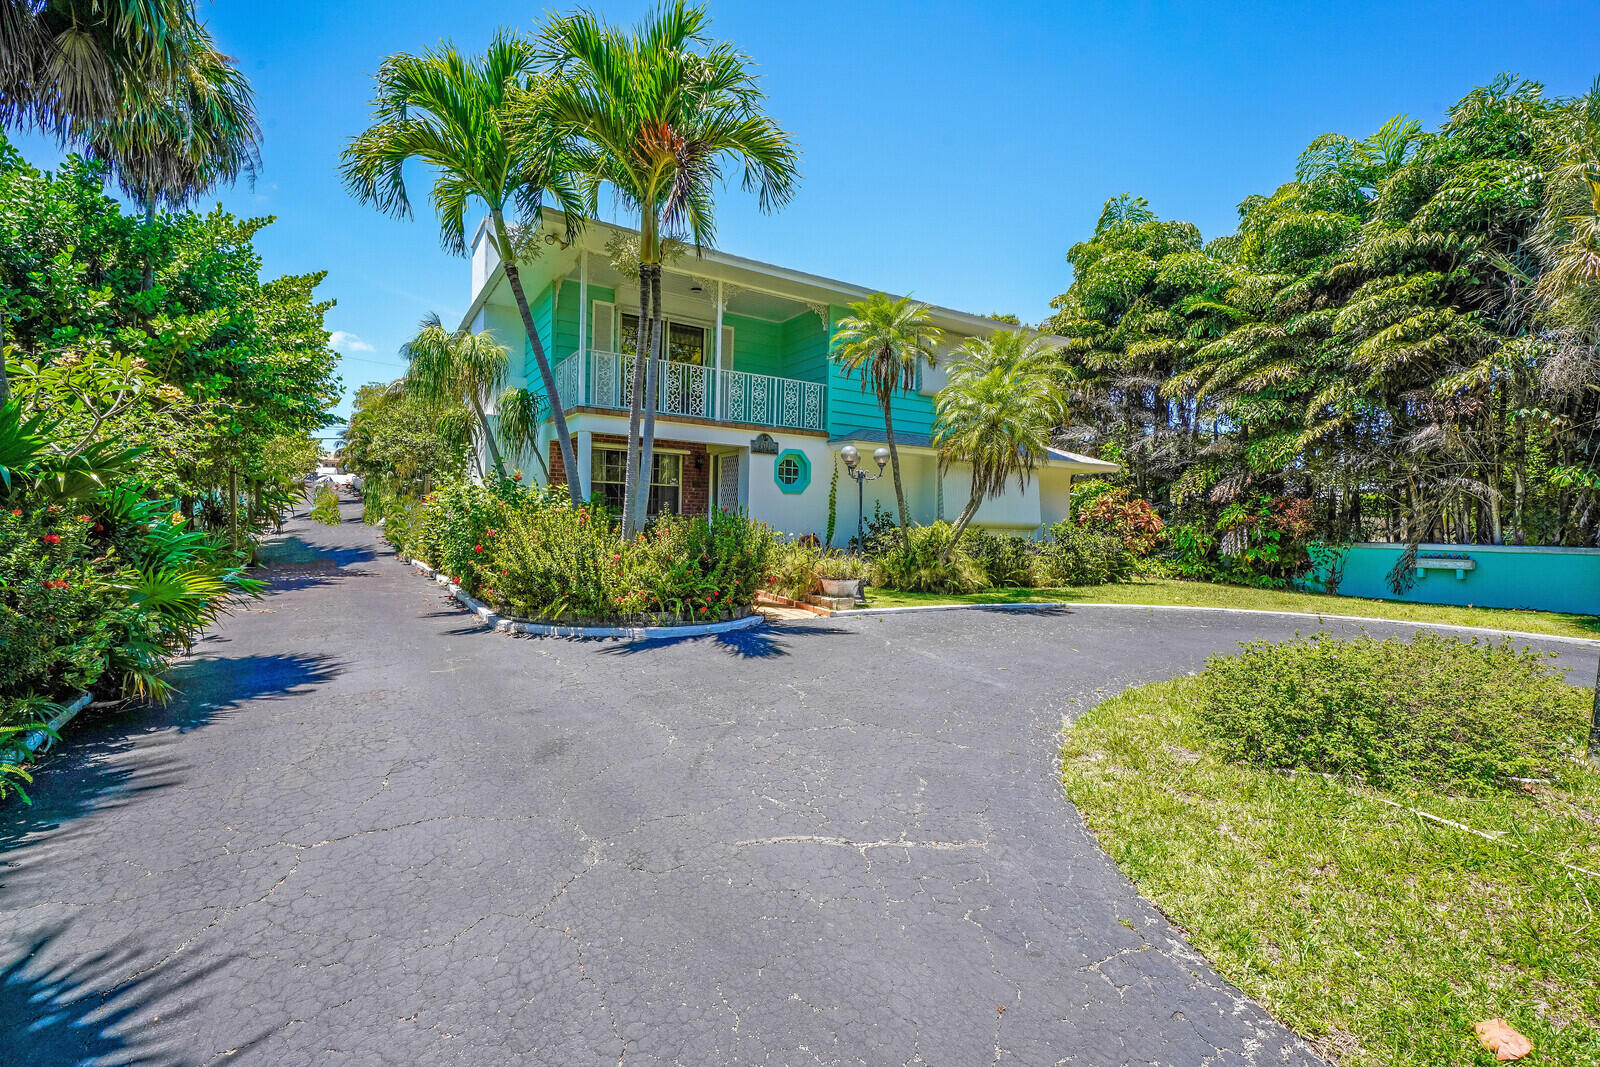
[(685, 343)]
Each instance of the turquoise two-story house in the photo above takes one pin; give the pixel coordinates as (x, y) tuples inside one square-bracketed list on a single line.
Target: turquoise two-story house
[(751, 411)]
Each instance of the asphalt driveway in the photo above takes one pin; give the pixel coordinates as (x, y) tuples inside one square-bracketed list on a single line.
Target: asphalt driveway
[(370, 831)]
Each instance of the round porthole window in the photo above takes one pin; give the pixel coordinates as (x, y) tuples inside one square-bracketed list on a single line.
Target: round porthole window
[(792, 471)]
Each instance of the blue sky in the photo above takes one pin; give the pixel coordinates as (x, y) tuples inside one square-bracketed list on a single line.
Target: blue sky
[(954, 150)]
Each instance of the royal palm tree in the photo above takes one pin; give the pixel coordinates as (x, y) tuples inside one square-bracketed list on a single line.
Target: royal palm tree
[(451, 113), (656, 114), (886, 341), (997, 414), (459, 367)]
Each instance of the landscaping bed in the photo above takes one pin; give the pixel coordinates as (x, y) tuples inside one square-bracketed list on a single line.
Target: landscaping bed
[(538, 564), (1357, 855)]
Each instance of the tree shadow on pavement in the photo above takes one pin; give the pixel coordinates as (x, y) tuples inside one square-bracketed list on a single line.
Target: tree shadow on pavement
[(98, 765), (101, 1008), (760, 642)]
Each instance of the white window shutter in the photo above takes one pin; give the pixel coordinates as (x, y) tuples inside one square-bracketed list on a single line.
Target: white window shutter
[(605, 326), (727, 348)]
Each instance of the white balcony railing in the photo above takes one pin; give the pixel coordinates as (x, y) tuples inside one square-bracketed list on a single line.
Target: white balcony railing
[(605, 380)]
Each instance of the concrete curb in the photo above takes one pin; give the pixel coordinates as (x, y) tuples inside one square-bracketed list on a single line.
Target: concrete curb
[(35, 741), (507, 624), (1584, 642)]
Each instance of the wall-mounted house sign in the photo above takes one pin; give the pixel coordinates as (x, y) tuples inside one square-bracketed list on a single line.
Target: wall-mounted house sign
[(763, 445)]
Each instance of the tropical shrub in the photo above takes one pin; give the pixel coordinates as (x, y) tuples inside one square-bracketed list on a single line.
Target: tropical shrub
[(532, 555), (1435, 708), (698, 569), (915, 561), (1116, 511), (1076, 555), (792, 569), (1006, 559), (325, 507), (841, 566)]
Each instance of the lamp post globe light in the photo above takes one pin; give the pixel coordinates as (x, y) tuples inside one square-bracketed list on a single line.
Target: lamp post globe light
[(852, 463)]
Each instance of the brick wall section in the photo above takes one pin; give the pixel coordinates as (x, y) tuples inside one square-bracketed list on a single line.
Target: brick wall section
[(696, 491)]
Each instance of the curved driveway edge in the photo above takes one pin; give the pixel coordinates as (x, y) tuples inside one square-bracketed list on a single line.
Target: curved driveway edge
[(364, 835), (1309, 616), (510, 624)]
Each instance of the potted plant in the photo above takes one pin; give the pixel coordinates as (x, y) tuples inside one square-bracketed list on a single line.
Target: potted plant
[(842, 575)]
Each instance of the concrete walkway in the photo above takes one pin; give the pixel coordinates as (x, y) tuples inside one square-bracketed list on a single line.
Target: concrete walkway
[(372, 832)]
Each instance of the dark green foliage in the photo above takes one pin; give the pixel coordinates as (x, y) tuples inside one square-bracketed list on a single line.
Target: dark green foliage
[(1403, 337), (1006, 559), (1077, 555), (533, 556), (911, 562), (1434, 708)]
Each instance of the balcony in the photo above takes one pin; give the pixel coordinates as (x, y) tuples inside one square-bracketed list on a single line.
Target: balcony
[(596, 379)]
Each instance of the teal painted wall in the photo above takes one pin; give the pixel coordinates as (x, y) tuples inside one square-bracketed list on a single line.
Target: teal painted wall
[(1505, 576), (850, 407), (757, 345), (805, 348)]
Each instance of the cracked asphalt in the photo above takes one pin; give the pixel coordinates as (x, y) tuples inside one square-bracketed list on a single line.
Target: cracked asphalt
[(372, 832)]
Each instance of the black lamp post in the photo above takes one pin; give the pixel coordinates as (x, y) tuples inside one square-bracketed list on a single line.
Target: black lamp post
[(852, 462)]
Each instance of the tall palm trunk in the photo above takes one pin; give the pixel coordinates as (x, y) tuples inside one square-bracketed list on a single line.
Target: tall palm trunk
[(894, 462), (569, 456), (647, 450), (630, 493)]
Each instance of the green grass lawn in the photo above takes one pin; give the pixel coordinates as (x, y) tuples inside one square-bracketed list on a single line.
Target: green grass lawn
[(1207, 594), (1377, 934)]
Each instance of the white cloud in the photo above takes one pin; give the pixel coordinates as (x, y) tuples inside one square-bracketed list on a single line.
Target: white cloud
[(345, 341)]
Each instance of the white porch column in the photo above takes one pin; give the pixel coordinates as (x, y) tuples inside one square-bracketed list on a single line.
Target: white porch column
[(583, 328), (717, 342), (585, 452)]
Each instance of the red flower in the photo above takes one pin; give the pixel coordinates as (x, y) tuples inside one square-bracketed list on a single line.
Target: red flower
[(517, 477), (52, 539), (83, 518), (16, 511), (477, 548), (491, 531)]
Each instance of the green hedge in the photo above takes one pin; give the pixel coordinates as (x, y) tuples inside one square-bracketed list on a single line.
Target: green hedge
[(1435, 709)]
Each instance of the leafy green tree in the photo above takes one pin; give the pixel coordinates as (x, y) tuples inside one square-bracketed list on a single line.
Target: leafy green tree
[(453, 114), (998, 414), (885, 341), (402, 441), (236, 362), (656, 115)]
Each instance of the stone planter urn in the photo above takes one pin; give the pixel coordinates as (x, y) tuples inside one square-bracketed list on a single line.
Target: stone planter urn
[(843, 587)]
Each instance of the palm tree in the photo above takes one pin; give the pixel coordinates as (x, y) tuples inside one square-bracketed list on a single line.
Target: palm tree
[(998, 414), (452, 114), (197, 133), (657, 114), (183, 142), (67, 62), (521, 412), (886, 341), (460, 367)]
